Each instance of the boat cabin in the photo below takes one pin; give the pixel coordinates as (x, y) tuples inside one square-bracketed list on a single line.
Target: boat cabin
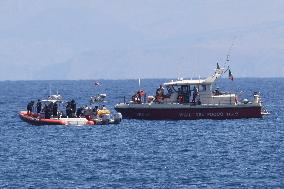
[(195, 92)]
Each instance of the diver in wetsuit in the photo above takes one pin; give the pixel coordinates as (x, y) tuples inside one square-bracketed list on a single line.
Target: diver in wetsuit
[(54, 109), (38, 106), (69, 110), (73, 107), (46, 111), (30, 107), (95, 110), (50, 108), (79, 112)]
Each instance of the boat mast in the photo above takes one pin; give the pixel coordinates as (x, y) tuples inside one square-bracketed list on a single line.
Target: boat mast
[(229, 54), (218, 73)]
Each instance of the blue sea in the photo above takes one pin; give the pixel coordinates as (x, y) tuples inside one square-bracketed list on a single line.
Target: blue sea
[(244, 153)]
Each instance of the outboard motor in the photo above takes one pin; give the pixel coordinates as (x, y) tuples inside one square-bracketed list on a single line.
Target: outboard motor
[(117, 118), (105, 118)]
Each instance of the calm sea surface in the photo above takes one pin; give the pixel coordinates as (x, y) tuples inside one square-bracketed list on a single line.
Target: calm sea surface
[(245, 153)]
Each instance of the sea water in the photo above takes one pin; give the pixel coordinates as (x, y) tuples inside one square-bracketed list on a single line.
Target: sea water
[(244, 153)]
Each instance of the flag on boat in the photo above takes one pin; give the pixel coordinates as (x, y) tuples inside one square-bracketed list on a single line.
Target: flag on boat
[(231, 77)]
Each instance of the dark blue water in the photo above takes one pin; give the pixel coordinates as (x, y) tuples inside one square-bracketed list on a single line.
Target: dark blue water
[(246, 153)]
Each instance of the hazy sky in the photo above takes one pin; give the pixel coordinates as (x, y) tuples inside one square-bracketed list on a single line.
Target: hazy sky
[(118, 39)]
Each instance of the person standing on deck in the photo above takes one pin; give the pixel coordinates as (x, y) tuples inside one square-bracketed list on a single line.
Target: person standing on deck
[(38, 106), (195, 93), (73, 107), (160, 94), (30, 107), (68, 110), (54, 109)]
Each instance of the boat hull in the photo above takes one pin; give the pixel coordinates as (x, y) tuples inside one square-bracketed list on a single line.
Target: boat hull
[(34, 119), (189, 112)]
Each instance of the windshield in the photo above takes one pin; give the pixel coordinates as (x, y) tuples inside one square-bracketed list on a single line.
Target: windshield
[(170, 89), (178, 89)]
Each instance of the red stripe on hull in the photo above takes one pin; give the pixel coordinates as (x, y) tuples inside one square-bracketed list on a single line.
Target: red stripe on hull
[(191, 113), (32, 119)]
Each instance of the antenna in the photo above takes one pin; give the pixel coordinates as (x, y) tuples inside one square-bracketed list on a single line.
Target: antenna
[(229, 51), (228, 58)]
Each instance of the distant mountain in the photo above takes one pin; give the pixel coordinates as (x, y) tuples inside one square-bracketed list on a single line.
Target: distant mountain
[(148, 39)]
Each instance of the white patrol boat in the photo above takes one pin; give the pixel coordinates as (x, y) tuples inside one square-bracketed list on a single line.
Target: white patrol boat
[(192, 99)]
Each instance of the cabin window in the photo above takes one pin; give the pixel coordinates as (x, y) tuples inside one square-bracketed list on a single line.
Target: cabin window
[(176, 88), (203, 87), (184, 89), (181, 89), (170, 89)]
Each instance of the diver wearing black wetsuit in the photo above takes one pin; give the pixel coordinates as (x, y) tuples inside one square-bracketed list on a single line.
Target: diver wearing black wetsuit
[(73, 107), (38, 106), (54, 109), (30, 107)]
